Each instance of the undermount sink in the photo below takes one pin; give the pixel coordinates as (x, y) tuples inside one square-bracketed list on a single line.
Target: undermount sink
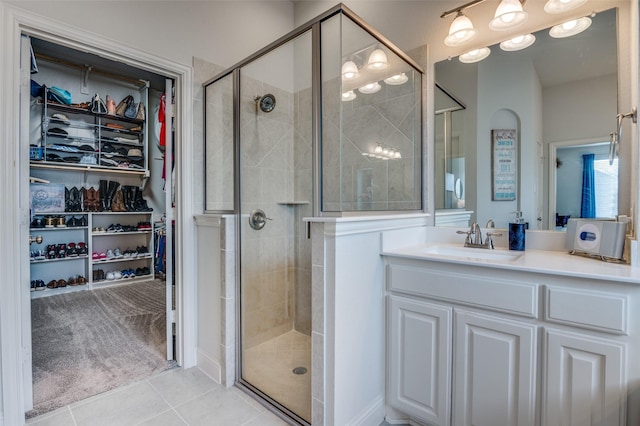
[(474, 253)]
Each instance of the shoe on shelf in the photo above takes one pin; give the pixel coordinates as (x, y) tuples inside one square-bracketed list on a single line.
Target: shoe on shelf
[(142, 251), (117, 275), (82, 249), (51, 251), (60, 222), (117, 253), (37, 222), (110, 255), (40, 285), (61, 251), (110, 276), (146, 271), (49, 222), (71, 250), (39, 255), (52, 284), (102, 256)]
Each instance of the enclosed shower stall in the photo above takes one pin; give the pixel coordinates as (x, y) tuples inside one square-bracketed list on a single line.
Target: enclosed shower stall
[(323, 122)]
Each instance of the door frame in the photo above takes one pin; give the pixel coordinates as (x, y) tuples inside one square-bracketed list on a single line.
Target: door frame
[(15, 344)]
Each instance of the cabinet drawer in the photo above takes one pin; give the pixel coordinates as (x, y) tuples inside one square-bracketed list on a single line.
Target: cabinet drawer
[(514, 297), (587, 309)]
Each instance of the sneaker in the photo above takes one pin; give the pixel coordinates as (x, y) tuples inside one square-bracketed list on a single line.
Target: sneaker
[(82, 249), (71, 250), (102, 256), (110, 255), (37, 222), (117, 254), (142, 251), (110, 276), (40, 255), (117, 275), (61, 251)]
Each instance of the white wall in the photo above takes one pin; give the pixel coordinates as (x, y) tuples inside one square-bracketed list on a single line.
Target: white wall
[(512, 87), (222, 32), (565, 107)]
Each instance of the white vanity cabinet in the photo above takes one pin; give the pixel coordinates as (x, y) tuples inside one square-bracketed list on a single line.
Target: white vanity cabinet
[(584, 380), (471, 345), (420, 358), (495, 371)]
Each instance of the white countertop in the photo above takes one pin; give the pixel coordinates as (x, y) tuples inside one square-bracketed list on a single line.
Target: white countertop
[(538, 261)]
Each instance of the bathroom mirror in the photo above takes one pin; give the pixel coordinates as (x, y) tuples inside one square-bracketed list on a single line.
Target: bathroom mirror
[(556, 90)]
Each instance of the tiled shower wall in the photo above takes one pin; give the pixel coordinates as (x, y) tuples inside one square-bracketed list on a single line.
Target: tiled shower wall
[(276, 163)]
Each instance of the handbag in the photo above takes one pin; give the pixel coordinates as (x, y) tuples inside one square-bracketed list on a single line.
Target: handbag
[(59, 95), (97, 105), (132, 110), (122, 106), (141, 113)]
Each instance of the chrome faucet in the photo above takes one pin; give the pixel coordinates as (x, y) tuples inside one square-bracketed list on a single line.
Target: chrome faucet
[(474, 236)]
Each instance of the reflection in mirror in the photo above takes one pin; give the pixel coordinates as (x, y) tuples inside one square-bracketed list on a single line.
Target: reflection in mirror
[(582, 182), (559, 90), (449, 138)]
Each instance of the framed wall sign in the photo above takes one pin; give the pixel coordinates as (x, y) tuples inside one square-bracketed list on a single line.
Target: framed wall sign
[(504, 164)]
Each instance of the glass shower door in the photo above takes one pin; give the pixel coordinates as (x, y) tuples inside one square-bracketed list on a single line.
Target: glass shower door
[(275, 256)]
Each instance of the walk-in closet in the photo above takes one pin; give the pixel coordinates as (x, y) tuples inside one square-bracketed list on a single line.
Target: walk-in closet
[(100, 254)]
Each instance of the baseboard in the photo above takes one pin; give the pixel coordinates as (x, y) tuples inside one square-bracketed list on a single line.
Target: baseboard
[(209, 366), (372, 415)]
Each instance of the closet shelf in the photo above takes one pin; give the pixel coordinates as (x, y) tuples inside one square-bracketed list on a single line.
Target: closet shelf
[(122, 259), (61, 290), (61, 259), (115, 234), (57, 228), (88, 168)]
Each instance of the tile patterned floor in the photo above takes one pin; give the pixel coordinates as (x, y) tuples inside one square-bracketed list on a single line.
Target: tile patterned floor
[(269, 367), (176, 397)]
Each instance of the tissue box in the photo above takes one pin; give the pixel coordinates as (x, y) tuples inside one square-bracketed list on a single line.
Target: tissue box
[(47, 198)]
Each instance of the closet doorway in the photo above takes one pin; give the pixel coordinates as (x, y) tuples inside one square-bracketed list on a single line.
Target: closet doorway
[(101, 255)]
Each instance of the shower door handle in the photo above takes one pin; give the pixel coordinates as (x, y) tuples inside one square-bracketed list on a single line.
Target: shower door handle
[(257, 219)]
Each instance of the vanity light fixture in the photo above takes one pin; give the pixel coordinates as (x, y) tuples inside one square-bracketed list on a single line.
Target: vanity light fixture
[(377, 60), (509, 14), (348, 96), (349, 70), (370, 88), (397, 79), (475, 55), (460, 31), (518, 43), (560, 6), (570, 28)]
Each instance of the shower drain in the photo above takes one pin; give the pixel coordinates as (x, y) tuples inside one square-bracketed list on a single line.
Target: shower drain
[(299, 370)]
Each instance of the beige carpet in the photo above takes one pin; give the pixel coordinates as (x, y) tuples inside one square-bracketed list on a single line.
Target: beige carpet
[(89, 342)]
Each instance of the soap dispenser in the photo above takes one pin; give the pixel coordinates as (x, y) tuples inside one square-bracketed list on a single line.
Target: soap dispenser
[(516, 232)]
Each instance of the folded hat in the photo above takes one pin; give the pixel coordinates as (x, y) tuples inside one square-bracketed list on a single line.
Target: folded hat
[(134, 153), (87, 148), (108, 148), (56, 131), (88, 159), (60, 118)]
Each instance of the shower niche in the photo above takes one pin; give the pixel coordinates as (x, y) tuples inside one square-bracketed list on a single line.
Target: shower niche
[(323, 122)]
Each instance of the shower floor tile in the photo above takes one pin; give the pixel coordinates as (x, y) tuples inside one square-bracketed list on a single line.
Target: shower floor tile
[(269, 367)]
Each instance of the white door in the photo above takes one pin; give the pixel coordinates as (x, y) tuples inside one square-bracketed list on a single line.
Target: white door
[(495, 374), (25, 287), (169, 197), (420, 359), (583, 381)]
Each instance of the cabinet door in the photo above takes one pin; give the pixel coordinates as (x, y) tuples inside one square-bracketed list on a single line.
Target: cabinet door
[(584, 381), (494, 364), (420, 359)]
